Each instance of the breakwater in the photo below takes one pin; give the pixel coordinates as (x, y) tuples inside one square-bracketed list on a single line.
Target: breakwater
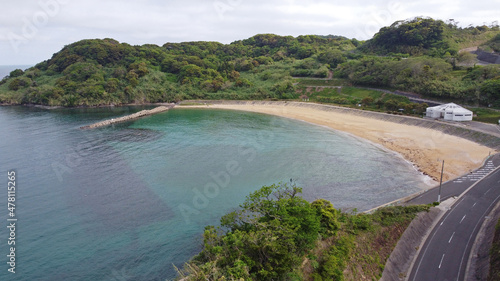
[(136, 115)]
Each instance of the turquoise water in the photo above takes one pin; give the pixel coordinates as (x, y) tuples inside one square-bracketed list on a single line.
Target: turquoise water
[(127, 202)]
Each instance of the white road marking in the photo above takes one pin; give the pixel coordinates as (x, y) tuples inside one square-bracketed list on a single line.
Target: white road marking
[(432, 238), (463, 219), (451, 237), (441, 261), (473, 205), (470, 237)]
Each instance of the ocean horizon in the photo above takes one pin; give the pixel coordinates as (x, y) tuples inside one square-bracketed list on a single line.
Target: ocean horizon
[(6, 69)]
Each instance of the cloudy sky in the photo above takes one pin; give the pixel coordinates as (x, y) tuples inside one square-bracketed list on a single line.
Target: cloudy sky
[(31, 31)]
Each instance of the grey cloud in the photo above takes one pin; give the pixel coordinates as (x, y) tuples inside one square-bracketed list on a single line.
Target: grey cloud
[(160, 21)]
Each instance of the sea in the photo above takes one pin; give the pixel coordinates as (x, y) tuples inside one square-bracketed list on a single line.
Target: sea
[(130, 201), (6, 69)]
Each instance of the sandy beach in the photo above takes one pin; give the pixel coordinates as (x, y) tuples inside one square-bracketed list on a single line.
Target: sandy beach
[(425, 148)]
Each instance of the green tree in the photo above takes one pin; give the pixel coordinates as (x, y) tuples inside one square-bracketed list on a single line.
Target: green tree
[(466, 58), (133, 78), (410, 36), (112, 85), (190, 73), (242, 82), (81, 71), (367, 101), (19, 83), (333, 58), (391, 105), (328, 216), (267, 238), (16, 73), (140, 68), (490, 91), (283, 89)]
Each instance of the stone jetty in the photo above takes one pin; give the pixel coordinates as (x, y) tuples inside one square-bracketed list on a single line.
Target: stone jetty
[(136, 115)]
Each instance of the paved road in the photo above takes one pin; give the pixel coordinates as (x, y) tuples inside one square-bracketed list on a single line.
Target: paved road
[(457, 186), (491, 129), (445, 254)]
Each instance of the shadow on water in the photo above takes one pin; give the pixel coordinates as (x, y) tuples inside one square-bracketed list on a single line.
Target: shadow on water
[(123, 134), (112, 200), (111, 197)]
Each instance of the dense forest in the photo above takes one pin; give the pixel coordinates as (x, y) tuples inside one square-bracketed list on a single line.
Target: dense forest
[(420, 55)]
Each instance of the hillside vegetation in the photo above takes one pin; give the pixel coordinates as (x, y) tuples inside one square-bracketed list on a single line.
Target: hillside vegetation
[(277, 235), (419, 55), (492, 45), (96, 72), (494, 272)]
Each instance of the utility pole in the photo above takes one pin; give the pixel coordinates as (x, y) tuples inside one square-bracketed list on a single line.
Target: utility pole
[(441, 183)]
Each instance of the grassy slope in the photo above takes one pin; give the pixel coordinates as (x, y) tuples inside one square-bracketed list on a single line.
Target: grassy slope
[(486, 115), (364, 244), (461, 40), (368, 254), (495, 256)]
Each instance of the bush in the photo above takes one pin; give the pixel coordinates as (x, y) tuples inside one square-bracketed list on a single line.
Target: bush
[(19, 83), (334, 262), (328, 216), (16, 73), (266, 239), (301, 72)]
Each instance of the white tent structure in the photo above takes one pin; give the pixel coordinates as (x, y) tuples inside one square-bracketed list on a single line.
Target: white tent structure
[(449, 112)]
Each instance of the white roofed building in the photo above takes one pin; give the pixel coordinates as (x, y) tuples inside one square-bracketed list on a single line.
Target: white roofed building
[(449, 112)]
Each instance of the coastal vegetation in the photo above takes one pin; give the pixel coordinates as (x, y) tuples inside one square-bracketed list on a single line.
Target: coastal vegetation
[(364, 98), (277, 235), (419, 55)]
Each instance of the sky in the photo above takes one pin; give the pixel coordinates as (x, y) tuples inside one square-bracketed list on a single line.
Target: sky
[(31, 31)]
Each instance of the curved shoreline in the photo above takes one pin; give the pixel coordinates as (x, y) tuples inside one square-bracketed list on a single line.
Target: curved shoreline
[(420, 144)]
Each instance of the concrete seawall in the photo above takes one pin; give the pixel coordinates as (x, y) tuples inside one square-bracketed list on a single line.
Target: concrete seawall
[(459, 130), (136, 115)]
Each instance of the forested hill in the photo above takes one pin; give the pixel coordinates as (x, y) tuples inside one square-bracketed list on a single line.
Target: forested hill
[(425, 36), (419, 55)]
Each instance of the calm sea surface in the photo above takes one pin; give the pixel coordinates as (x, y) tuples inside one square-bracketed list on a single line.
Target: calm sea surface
[(128, 202), (6, 69)]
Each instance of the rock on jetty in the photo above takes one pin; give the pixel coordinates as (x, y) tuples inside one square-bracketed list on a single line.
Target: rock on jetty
[(136, 115)]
